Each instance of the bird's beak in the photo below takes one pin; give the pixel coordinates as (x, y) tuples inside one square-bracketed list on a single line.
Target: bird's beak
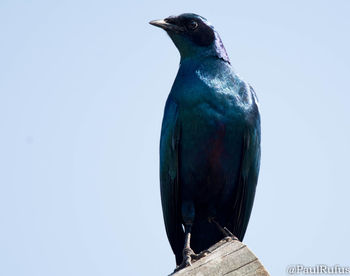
[(166, 26)]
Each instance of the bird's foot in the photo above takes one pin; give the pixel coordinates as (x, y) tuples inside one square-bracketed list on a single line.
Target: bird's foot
[(189, 256), (229, 236), (200, 255), (227, 239), (186, 261)]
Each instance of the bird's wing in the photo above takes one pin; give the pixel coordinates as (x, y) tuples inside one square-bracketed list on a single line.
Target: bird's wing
[(249, 171), (169, 177)]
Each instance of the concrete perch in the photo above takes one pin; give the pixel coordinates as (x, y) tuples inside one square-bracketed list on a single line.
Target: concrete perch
[(231, 258)]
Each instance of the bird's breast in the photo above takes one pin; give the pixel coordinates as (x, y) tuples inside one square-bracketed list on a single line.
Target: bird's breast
[(210, 141), (213, 109)]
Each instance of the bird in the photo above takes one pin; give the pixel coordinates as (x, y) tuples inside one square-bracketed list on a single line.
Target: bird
[(209, 145)]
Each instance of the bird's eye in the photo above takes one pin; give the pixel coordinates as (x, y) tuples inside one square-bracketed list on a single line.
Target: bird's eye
[(193, 25)]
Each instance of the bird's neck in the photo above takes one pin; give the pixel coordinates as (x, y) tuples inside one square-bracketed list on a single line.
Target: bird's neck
[(216, 50)]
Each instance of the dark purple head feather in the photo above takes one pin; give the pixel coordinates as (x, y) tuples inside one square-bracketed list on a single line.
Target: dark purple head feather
[(193, 35)]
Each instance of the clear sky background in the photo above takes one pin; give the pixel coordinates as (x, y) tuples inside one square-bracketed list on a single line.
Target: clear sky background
[(82, 91)]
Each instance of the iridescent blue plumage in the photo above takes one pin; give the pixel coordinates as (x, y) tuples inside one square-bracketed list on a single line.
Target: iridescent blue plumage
[(210, 142)]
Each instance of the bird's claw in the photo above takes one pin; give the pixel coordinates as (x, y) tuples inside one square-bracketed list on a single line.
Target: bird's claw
[(185, 263), (189, 256), (230, 238), (200, 255)]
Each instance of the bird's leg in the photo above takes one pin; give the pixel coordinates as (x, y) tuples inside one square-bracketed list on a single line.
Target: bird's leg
[(193, 255), (227, 233), (187, 253)]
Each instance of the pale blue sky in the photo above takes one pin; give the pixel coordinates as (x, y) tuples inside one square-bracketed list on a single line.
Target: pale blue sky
[(82, 91)]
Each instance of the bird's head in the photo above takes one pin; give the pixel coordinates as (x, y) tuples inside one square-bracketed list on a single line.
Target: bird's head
[(193, 35)]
